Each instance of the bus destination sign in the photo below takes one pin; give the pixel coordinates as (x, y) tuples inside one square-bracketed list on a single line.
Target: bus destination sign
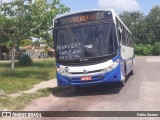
[(82, 17)]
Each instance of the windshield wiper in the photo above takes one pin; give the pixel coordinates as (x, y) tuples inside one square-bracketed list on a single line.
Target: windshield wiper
[(71, 34), (96, 33)]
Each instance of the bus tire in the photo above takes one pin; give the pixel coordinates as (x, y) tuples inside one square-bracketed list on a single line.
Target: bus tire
[(132, 71), (125, 68), (122, 83)]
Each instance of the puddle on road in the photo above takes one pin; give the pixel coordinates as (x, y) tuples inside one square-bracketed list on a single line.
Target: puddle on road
[(152, 60)]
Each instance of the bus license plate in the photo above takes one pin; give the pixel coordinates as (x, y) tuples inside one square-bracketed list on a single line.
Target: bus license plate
[(86, 78)]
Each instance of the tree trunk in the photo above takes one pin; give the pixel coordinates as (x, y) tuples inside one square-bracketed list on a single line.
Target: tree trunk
[(13, 60), (0, 53)]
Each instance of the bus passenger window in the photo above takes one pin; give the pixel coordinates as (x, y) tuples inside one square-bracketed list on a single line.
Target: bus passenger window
[(119, 34), (123, 38)]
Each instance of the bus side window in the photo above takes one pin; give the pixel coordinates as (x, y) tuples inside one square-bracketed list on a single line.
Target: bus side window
[(123, 38), (127, 40), (119, 33), (129, 43)]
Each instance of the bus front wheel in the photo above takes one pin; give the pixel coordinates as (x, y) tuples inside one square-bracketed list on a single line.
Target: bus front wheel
[(132, 71)]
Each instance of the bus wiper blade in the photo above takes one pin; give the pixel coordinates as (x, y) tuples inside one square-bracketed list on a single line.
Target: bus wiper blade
[(96, 32), (71, 34)]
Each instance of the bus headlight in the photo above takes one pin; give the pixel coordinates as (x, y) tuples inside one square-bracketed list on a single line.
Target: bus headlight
[(63, 71), (111, 67)]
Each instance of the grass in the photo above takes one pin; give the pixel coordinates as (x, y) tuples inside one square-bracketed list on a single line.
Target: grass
[(20, 102), (26, 77)]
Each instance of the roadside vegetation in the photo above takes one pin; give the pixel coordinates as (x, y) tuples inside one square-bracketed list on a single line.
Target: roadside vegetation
[(147, 49), (20, 102), (145, 30), (17, 103), (26, 76), (22, 19)]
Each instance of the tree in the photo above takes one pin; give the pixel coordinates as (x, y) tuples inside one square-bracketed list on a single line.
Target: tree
[(153, 24), (145, 29), (4, 40), (136, 22), (20, 21), (25, 42)]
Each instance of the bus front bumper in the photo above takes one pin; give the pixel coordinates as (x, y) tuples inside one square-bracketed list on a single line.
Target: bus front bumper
[(112, 76)]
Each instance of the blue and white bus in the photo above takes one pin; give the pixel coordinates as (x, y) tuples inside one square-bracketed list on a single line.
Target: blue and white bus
[(92, 47)]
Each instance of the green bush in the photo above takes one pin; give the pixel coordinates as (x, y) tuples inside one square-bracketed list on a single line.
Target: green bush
[(25, 60), (143, 49), (156, 49)]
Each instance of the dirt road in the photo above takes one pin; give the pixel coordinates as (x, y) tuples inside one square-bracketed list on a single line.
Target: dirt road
[(141, 93)]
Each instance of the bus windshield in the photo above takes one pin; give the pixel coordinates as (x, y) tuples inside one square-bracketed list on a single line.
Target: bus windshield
[(86, 42)]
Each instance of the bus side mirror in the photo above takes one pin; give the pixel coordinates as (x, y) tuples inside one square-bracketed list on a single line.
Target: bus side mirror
[(49, 38)]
